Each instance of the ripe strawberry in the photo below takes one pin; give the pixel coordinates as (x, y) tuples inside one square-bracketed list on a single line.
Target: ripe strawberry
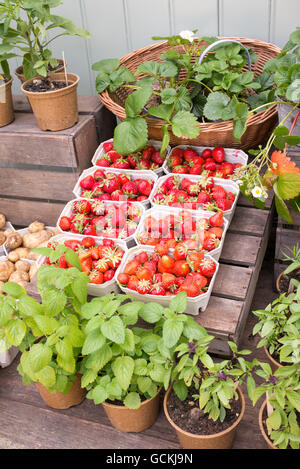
[(130, 189), (121, 163), (174, 160), (206, 153), (207, 267), (113, 155), (108, 146), (144, 187), (203, 197), (132, 160), (227, 168), (99, 175), (217, 219), (189, 154), (143, 287), (224, 204), (197, 169), (218, 192), (104, 161), (110, 185), (168, 280), (87, 182), (218, 154), (65, 223), (157, 289)]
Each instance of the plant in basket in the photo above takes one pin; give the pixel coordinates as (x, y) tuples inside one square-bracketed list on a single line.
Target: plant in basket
[(125, 365), (49, 334)]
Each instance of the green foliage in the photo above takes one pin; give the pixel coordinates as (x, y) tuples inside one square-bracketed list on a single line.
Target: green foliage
[(293, 258), (26, 31)]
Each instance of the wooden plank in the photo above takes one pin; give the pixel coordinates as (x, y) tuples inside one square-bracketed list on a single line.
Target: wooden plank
[(38, 184), (249, 221), (21, 212), (221, 315), (244, 202), (240, 250), (285, 239), (232, 281)]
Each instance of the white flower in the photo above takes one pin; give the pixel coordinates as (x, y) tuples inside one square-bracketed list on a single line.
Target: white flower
[(189, 35), (239, 182), (256, 192)]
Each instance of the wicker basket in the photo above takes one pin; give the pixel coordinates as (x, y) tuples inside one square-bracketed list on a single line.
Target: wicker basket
[(259, 126)]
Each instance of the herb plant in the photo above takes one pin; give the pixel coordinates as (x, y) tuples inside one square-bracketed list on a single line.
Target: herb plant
[(26, 28), (293, 258)]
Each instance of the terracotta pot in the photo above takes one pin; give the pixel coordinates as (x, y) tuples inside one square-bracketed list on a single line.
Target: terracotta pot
[(20, 75), (291, 287), (63, 401), (273, 363), (133, 420), (6, 104), (221, 440), (55, 110), (260, 421)]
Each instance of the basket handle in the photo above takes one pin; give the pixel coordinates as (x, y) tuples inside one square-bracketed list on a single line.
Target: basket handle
[(211, 46)]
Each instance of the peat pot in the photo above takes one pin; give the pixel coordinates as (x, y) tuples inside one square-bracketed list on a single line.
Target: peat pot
[(262, 411), (6, 104), (19, 70), (133, 420), (221, 440), (58, 400), (55, 110)]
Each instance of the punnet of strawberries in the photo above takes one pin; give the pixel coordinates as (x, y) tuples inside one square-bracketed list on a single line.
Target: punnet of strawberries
[(212, 162), (99, 260), (164, 274), (182, 230), (148, 158), (202, 193), (99, 218), (107, 185)]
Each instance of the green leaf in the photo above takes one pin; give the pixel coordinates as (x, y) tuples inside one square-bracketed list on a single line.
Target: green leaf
[(46, 325), (178, 304), (13, 289), (167, 69), (148, 68), (172, 330), (39, 356), (151, 312), (162, 111), (180, 389), (293, 91), (281, 130), (185, 124), (102, 82), (54, 301), (140, 367), (130, 136), (98, 394), (144, 382), (119, 77), (168, 95), (47, 377), (15, 331), (114, 330), (137, 100), (215, 105), (132, 400), (98, 359), (288, 185), (281, 207), (165, 140), (240, 119), (294, 399), (123, 369), (72, 258), (106, 65), (93, 341)]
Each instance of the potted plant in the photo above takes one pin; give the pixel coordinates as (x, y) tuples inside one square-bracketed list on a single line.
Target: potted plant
[(279, 413), (279, 329), (205, 404), (49, 334), (26, 27), (285, 280), (126, 365), (6, 104)]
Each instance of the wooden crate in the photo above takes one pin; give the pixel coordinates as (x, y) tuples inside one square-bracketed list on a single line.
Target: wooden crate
[(39, 169), (240, 263)]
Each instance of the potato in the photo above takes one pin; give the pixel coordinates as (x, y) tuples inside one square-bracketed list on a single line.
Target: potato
[(2, 220), (33, 240), (33, 270), (36, 226), (24, 266), (19, 276), (2, 238), (6, 270), (8, 232), (13, 241), (33, 256), (22, 283), (22, 252), (13, 256)]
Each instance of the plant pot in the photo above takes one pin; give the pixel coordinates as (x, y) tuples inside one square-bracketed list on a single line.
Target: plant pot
[(133, 420), (221, 440), (55, 110), (63, 401), (261, 426), (20, 75), (6, 104), (291, 286), (273, 363)]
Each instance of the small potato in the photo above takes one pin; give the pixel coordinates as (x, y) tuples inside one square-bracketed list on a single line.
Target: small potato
[(13, 241), (24, 266), (8, 232), (36, 226), (6, 270), (33, 256), (22, 252), (19, 276), (33, 270), (13, 256), (22, 283), (2, 220), (2, 238), (33, 240)]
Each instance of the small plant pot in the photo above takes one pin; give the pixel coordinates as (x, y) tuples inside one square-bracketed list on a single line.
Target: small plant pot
[(273, 363), (291, 286), (63, 401), (55, 110), (221, 440), (19, 71), (261, 426), (6, 104), (133, 420)]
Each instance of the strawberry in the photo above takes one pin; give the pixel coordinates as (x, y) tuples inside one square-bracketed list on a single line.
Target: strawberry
[(99, 174), (65, 223), (121, 163), (87, 182), (224, 204), (108, 146), (143, 287), (103, 161), (144, 187), (130, 189), (113, 155), (110, 185), (132, 160), (216, 219), (157, 158), (218, 192)]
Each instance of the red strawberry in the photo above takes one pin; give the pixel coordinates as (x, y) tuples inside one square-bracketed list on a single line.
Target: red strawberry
[(65, 223), (224, 204), (130, 189), (114, 156), (108, 146), (227, 168), (216, 219), (121, 163), (132, 160), (219, 192), (103, 161), (144, 187), (189, 153), (87, 182), (99, 174), (157, 158), (203, 198), (111, 184)]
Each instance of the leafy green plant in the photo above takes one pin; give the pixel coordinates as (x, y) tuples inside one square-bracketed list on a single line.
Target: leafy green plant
[(26, 28), (279, 327), (293, 258), (128, 363), (282, 389)]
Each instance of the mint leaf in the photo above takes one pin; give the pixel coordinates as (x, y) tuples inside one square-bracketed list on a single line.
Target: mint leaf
[(132, 400), (172, 330), (123, 369), (114, 330)]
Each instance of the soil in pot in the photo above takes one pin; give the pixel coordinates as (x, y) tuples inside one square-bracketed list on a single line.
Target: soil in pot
[(59, 68), (284, 281), (187, 415), (42, 86)]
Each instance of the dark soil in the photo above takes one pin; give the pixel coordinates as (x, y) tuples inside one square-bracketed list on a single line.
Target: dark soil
[(187, 415), (286, 278), (42, 86)]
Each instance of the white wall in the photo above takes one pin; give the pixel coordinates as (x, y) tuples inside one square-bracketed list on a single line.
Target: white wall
[(119, 26)]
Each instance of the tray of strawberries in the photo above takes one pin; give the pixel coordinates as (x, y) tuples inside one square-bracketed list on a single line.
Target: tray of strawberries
[(148, 276), (100, 259), (213, 161), (189, 192), (101, 218), (149, 158), (116, 185), (172, 229)]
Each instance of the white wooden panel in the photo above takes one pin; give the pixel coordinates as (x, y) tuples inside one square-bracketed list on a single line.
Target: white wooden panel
[(195, 14), (285, 17), (245, 18)]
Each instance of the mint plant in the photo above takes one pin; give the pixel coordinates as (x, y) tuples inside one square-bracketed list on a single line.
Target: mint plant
[(26, 28)]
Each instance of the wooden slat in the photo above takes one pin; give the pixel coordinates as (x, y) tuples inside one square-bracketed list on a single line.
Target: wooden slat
[(244, 202), (285, 239), (232, 281), (20, 212), (240, 250), (249, 221), (221, 314)]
